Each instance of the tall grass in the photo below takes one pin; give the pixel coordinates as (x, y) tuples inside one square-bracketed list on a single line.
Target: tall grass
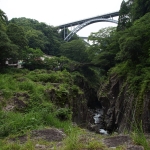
[(31, 88), (7, 85), (4, 145), (19, 123), (72, 141), (138, 136)]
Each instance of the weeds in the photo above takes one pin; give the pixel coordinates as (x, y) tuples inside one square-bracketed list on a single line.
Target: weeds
[(4, 145), (72, 141), (139, 137)]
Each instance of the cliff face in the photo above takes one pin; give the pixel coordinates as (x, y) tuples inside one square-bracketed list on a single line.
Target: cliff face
[(82, 102), (121, 107)]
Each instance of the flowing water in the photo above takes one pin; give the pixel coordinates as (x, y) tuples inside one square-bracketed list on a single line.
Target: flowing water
[(97, 115)]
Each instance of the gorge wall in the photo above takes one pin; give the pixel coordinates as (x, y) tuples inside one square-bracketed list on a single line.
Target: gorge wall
[(123, 108)]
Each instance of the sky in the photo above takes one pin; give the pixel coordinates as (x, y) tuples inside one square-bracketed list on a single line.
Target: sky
[(57, 12)]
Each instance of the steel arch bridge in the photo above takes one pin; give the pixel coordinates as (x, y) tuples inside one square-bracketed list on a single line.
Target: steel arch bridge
[(85, 22)]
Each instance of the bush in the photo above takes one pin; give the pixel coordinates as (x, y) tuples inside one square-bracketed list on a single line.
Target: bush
[(64, 114)]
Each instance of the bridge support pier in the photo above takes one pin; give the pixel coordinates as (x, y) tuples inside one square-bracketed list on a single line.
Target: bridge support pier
[(65, 32)]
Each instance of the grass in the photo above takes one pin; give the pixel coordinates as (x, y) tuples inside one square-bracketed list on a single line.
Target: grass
[(72, 141), (138, 136), (30, 88), (41, 112), (15, 122), (5, 145), (79, 139)]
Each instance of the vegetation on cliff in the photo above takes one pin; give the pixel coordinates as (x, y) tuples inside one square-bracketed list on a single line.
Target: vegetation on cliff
[(59, 77)]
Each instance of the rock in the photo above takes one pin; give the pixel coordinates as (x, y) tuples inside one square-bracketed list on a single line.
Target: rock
[(43, 147), (9, 107), (51, 134), (117, 140), (118, 104), (135, 147)]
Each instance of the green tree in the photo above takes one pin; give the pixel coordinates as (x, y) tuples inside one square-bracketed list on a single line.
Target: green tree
[(36, 39), (3, 20), (75, 50), (17, 35), (32, 58), (104, 48), (7, 49), (40, 35), (140, 8), (3, 16), (135, 41), (124, 20)]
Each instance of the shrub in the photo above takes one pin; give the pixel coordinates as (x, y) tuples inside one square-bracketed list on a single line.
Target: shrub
[(64, 114)]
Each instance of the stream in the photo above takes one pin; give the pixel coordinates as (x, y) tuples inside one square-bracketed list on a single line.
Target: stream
[(96, 117)]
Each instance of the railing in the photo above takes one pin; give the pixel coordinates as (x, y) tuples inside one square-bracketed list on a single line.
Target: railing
[(108, 15)]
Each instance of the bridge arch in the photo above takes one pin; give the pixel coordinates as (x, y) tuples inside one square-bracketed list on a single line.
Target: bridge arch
[(86, 23)]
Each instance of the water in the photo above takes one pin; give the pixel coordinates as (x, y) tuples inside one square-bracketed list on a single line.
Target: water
[(96, 117), (102, 131)]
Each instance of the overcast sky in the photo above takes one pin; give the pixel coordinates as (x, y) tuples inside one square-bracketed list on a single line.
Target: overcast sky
[(56, 12)]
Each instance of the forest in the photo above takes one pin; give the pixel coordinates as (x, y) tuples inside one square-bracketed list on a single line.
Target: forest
[(60, 81)]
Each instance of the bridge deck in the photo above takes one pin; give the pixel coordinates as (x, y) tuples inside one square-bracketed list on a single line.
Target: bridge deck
[(113, 14)]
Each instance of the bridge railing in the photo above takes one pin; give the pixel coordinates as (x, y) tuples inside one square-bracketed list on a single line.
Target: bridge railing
[(108, 15)]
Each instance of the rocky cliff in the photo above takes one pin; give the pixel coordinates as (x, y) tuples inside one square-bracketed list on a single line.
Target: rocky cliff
[(122, 107)]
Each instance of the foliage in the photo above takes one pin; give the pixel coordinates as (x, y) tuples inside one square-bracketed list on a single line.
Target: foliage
[(51, 63), (17, 123), (32, 58), (7, 49), (140, 8), (64, 114), (17, 35), (80, 139), (35, 94), (37, 39), (75, 50), (139, 137), (124, 20), (49, 94), (3, 20), (133, 43), (29, 145), (40, 35), (103, 50)]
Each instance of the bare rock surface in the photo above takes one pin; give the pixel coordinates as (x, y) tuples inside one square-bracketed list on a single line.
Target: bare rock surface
[(117, 140), (51, 134)]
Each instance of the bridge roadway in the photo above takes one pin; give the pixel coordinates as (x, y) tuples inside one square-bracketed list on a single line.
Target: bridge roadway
[(105, 16)]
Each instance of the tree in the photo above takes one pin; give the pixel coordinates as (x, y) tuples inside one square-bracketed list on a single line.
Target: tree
[(32, 58), (104, 48), (36, 39), (3, 20), (3, 17), (7, 49), (135, 41), (75, 50), (40, 35), (17, 35), (124, 20), (140, 8)]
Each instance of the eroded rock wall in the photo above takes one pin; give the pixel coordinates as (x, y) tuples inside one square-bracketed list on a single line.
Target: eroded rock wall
[(122, 108)]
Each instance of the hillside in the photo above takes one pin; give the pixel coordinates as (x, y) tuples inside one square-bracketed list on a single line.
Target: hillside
[(66, 93)]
